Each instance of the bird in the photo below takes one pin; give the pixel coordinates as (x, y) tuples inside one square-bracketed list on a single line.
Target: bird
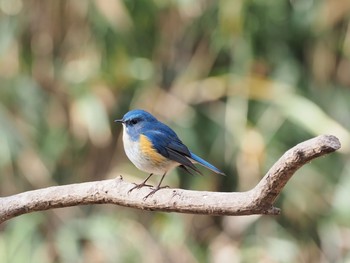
[(154, 148)]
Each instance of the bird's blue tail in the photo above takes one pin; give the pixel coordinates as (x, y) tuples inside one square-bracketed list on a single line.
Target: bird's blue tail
[(205, 164)]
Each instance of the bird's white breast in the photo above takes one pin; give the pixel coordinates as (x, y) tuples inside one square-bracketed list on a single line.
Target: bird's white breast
[(142, 162)]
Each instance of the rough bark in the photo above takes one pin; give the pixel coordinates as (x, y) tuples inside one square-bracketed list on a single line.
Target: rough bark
[(259, 200)]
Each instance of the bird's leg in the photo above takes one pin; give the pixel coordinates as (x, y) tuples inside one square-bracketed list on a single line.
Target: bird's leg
[(157, 188), (138, 186)]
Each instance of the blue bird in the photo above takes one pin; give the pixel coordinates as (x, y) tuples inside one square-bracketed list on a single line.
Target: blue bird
[(153, 147)]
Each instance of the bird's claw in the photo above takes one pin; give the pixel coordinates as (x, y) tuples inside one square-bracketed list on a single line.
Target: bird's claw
[(155, 190), (138, 186)]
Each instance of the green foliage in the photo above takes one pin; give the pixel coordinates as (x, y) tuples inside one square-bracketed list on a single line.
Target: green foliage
[(240, 81)]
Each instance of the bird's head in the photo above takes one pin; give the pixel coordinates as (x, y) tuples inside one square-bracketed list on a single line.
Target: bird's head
[(134, 120)]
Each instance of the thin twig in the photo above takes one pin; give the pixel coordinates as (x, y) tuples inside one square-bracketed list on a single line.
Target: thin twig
[(259, 200)]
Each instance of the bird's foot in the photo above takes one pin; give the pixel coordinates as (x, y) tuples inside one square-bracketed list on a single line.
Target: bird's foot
[(138, 186), (155, 190)]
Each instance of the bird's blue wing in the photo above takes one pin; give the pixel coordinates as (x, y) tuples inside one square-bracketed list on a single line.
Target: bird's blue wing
[(166, 142)]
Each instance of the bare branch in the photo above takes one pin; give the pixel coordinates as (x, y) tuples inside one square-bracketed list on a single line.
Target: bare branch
[(259, 200)]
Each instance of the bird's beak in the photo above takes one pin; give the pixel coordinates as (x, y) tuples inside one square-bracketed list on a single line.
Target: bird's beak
[(121, 121)]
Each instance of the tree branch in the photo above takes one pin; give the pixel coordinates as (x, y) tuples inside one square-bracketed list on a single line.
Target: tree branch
[(259, 200)]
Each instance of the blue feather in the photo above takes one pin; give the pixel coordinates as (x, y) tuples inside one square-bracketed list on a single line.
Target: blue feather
[(205, 163)]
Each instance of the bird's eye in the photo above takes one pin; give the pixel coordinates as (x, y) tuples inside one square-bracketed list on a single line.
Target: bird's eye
[(133, 121)]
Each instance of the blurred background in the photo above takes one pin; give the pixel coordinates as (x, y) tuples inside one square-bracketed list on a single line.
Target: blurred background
[(240, 81)]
